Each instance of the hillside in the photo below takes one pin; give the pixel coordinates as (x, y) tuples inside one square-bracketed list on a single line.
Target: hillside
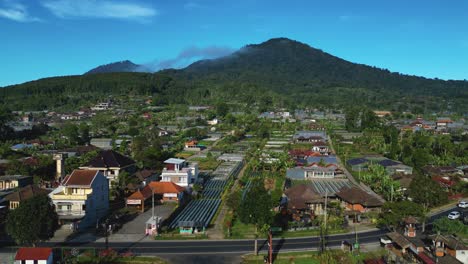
[(121, 66), (279, 72)]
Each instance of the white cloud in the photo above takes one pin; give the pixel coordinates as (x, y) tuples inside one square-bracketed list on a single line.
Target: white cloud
[(99, 9), (15, 11)]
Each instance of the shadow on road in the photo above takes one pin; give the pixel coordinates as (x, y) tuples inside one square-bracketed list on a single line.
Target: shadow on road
[(277, 249)]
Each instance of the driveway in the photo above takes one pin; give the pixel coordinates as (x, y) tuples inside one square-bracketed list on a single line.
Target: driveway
[(137, 225)]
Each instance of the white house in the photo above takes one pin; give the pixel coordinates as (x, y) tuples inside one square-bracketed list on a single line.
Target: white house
[(180, 172), (82, 198), (36, 255)]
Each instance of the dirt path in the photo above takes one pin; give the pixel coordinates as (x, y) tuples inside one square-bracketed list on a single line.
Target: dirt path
[(218, 231)]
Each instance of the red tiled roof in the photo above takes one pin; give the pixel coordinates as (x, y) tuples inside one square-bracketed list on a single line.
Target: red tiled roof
[(165, 187), (144, 194), (37, 253), (80, 178), (191, 143)]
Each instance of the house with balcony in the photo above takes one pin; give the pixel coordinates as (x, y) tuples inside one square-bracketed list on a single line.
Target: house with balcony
[(111, 164), (180, 172), (82, 198)]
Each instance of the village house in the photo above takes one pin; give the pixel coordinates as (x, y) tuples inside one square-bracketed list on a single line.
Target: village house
[(312, 171), (356, 199), (393, 167), (167, 191), (82, 198), (404, 249), (101, 106), (14, 181), (303, 200), (442, 123), (192, 145), (449, 246), (111, 164), (320, 147), (34, 255), (382, 114), (15, 198), (146, 176), (310, 136), (162, 191), (180, 172)]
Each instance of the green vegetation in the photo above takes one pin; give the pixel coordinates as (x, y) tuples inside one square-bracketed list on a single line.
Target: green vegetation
[(33, 220), (309, 257), (286, 74), (447, 226)]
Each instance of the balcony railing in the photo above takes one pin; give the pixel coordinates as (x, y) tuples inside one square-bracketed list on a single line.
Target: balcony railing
[(62, 196), (71, 212)]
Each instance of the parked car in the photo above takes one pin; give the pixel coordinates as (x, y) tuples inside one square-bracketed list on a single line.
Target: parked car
[(463, 204), (385, 241), (454, 215)]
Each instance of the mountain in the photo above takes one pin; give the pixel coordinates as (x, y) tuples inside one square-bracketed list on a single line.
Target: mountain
[(121, 66), (279, 72)]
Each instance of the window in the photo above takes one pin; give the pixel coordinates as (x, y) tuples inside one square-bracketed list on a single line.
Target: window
[(83, 207)]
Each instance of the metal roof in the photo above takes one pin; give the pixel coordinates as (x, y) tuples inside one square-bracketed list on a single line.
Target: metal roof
[(174, 161)]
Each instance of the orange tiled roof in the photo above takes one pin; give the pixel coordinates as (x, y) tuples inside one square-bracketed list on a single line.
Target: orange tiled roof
[(141, 194), (165, 187)]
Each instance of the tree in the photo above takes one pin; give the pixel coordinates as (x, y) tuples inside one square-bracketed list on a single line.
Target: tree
[(256, 207), (221, 109), (233, 200), (427, 193), (70, 131), (34, 220), (394, 212), (446, 226)]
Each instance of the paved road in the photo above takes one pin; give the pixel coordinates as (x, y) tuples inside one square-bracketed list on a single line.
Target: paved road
[(228, 251)]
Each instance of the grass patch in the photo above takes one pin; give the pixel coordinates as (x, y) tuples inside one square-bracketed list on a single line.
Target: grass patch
[(184, 154), (207, 163), (311, 232), (206, 143), (312, 257), (240, 230), (117, 260)]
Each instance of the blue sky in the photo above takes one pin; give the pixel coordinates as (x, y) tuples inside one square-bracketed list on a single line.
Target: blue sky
[(43, 38)]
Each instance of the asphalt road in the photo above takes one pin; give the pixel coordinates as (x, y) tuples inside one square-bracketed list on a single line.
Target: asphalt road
[(226, 249)]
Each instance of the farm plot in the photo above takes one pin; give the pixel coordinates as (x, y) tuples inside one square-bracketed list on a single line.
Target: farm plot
[(198, 213), (214, 188)]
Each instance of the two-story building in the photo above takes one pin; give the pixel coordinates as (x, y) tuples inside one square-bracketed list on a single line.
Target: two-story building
[(180, 172), (111, 163), (82, 198), (14, 181)]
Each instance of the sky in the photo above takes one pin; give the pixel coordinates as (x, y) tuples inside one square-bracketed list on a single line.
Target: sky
[(44, 38)]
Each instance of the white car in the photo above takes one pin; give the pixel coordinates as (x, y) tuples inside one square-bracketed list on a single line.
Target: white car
[(454, 215), (463, 204)]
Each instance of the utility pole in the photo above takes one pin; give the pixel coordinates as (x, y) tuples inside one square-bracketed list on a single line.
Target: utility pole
[(270, 250), (256, 245)]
